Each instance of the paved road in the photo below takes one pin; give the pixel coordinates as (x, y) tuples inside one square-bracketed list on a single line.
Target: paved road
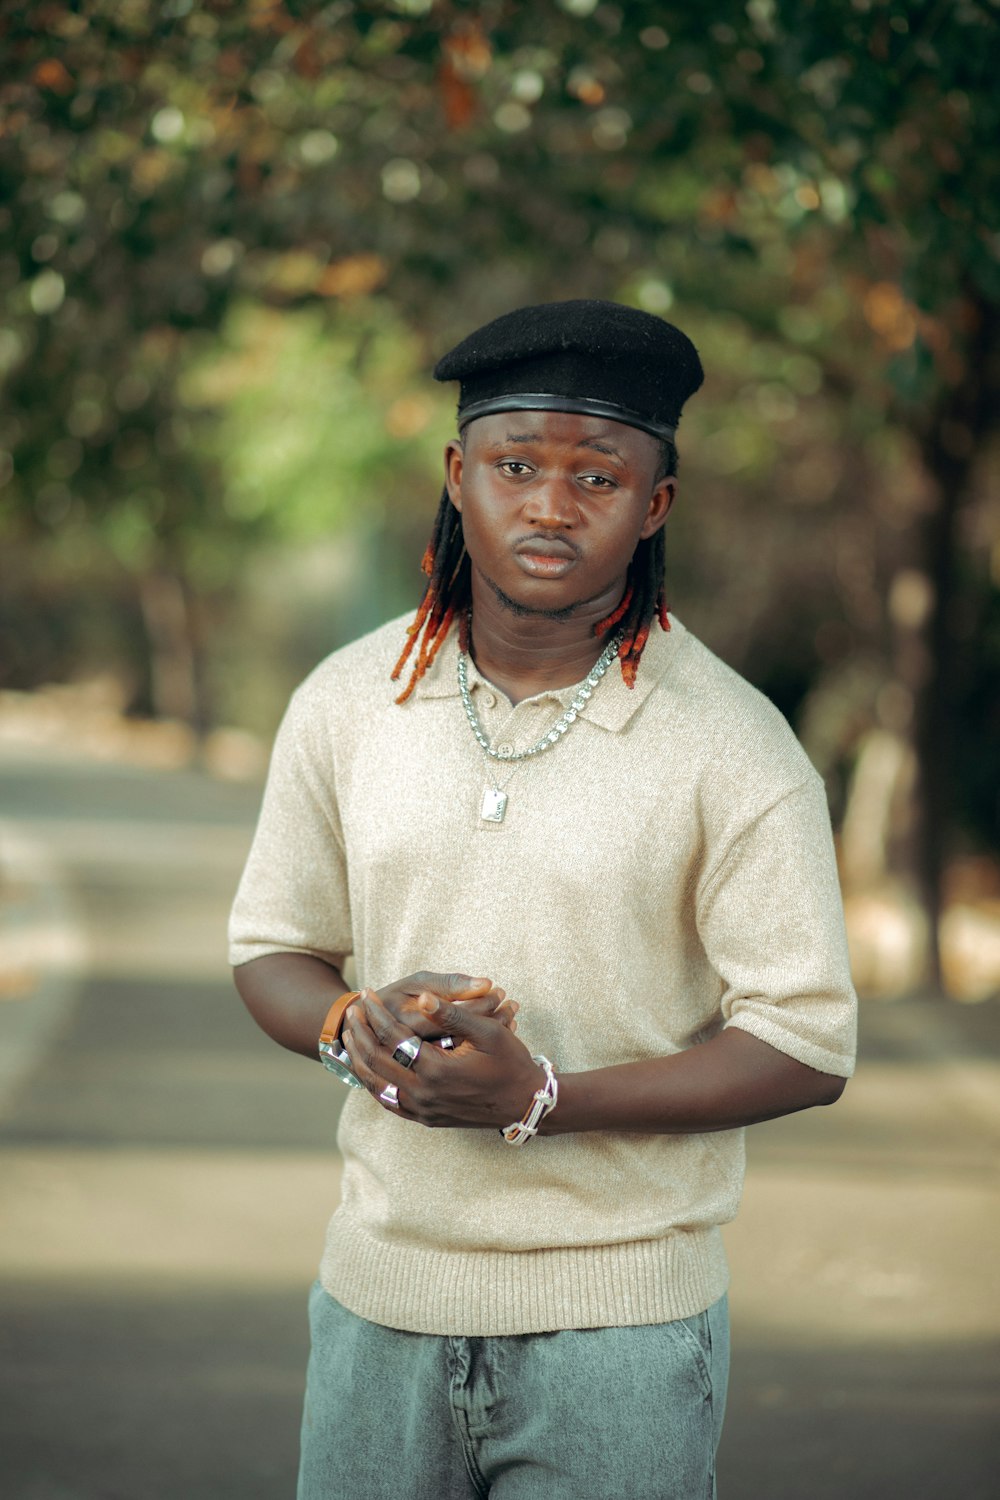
[(165, 1175)]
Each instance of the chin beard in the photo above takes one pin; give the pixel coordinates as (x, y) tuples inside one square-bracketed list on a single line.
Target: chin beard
[(527, 611)]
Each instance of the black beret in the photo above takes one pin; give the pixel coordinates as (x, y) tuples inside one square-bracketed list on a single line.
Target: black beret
[(598, 358)]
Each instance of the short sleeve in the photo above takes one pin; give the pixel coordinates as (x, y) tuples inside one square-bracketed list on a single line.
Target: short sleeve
[(770, 917), (293, 895)]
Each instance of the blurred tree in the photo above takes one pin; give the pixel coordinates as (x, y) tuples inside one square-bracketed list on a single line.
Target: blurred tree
[(814, 184)]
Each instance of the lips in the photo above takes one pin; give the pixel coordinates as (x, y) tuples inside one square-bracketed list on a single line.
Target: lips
[(545, 557), (547, 547)]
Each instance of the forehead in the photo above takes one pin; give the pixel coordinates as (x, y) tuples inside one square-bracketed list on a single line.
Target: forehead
[(562, 429)]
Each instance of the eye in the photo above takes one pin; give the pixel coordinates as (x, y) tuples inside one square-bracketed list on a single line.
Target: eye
[(514, 467), (598, 482)]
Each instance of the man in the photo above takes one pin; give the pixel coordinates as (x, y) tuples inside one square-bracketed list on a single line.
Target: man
[(573, 799)]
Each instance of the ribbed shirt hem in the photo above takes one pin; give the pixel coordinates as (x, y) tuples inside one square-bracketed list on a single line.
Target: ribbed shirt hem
[(489, 1293)]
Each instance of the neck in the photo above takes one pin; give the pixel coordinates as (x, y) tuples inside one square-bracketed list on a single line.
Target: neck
[(525, 654)]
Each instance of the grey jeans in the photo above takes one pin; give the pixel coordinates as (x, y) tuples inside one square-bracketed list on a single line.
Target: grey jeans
[(584, 1414)]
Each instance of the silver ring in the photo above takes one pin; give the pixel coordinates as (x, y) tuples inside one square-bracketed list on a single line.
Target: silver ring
[(446, 1043), (390, 1096), (407, 1052)]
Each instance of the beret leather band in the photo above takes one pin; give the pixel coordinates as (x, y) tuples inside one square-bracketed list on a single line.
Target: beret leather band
[(542, 401)]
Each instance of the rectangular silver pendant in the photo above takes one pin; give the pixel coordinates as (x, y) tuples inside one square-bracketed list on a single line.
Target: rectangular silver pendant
[(494, 805)]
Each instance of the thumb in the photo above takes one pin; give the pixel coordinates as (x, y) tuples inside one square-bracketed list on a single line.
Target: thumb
[(459, 986), (457, 1020)]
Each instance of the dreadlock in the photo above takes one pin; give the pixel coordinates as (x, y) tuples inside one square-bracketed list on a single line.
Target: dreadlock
[(448, 593)]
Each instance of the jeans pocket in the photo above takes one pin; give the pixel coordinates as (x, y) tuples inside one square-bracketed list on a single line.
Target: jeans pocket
[(693, 1336)]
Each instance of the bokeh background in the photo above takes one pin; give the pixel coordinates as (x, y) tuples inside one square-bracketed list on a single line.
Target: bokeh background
[(234, 238)]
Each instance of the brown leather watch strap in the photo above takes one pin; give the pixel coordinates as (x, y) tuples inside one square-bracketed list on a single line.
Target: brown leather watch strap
[(335, 1017)]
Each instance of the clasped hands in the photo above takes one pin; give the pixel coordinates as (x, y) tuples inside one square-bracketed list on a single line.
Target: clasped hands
[(486, 1080)]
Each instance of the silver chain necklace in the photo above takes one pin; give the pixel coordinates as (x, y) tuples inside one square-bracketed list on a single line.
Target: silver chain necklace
[(495, 799)]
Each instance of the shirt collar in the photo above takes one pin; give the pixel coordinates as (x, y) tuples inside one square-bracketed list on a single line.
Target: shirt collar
[(612, 705)]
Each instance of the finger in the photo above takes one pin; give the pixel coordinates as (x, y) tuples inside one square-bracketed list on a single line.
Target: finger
[(384, 1025), (459, 1021), (402, 1041), (370, 1044), (361, 1046), (373, 1067), (486, 1005), (411, 1017), (385, 1044), (454, 986), (495, 1004)]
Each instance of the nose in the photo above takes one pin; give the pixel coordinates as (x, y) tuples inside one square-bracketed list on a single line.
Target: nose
[(552, 504)]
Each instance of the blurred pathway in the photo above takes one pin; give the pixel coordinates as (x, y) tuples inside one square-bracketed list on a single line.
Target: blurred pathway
[(166, 1173)]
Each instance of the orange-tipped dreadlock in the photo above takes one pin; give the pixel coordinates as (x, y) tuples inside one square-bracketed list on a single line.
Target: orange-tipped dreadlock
[(642, 602), (448, 595)]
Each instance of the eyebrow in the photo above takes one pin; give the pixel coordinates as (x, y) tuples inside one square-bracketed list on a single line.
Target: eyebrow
[(593, 443), (600, 447)]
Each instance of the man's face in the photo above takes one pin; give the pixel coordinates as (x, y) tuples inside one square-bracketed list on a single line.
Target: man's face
[(554, 505)]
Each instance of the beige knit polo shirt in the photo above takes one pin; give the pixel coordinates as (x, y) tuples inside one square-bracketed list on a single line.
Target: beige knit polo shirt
[(665, 870)]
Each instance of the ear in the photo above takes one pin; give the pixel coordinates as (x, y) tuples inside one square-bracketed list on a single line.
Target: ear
[(454, 461), (660, 501)]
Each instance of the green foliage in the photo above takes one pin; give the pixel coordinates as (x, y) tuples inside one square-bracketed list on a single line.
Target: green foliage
[(316, 424), (164, 158), (235, 236)]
